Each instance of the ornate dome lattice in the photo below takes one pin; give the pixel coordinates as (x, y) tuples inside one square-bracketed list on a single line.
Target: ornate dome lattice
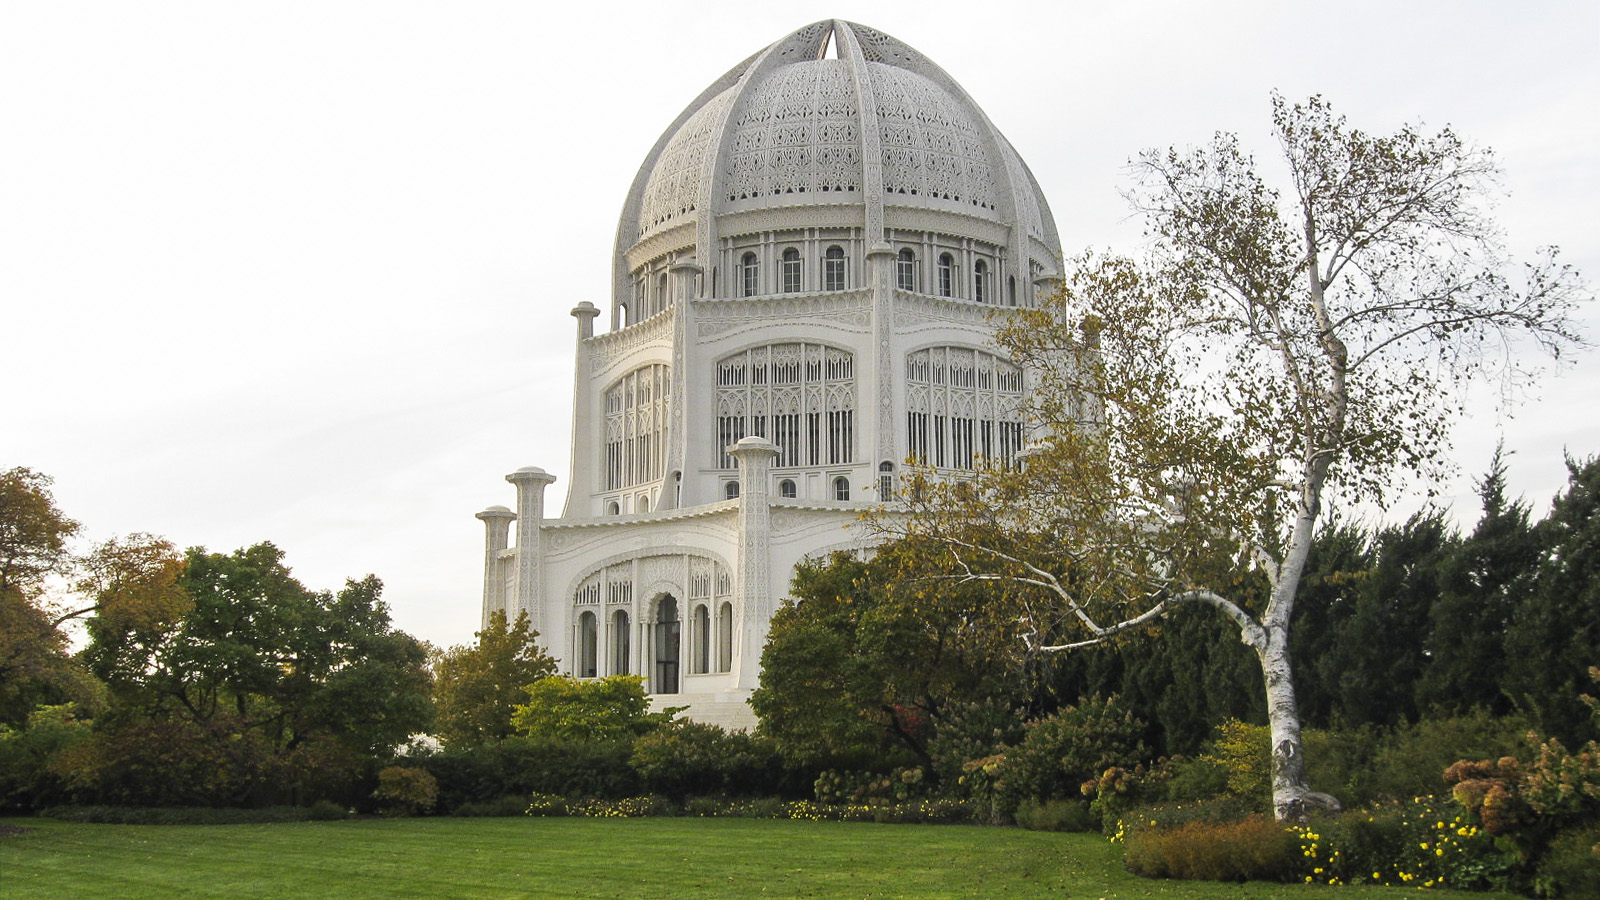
[(878, 125)]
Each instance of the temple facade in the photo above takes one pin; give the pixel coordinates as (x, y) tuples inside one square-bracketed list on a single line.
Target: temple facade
[(806, 274)]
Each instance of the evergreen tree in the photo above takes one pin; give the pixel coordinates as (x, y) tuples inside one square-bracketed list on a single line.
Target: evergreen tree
[(1481, 584)]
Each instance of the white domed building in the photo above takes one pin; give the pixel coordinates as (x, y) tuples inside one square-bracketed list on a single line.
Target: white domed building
[(805, 272)]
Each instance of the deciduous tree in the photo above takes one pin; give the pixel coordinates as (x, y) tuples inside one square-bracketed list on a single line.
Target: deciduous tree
[(477, 688), (1194, 413)]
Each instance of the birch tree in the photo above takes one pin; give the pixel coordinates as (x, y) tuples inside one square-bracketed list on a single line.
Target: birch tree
[(1195, 410)]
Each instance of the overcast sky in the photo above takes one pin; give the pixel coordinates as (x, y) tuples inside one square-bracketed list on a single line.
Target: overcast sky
[(300, 271)]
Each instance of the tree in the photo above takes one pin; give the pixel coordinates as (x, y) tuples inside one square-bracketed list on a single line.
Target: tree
[(477, 688), (1482, 583), (861, 659), (1554, 636), (1195, 413), (34, 535), (254, 648), (594, 710)]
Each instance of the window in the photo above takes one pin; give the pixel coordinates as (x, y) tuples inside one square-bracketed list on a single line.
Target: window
[(947, 275), (799, 396), (636, 427), (749, 275), (791, 271), (667, 632), (619, 642), (786, 488), (833, 269), (642, 504), (725, 637), (588, 638), (841, 488), (613, 509), (661, 295), (980, 281), (963, 408), (905, 270), (885, 480), (699, 640), (731, 490), (1011, 290)]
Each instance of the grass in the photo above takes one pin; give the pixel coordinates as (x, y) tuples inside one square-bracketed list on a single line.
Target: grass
[(598, 858)]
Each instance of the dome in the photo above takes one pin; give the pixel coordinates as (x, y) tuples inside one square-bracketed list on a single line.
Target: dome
[(874, 137)]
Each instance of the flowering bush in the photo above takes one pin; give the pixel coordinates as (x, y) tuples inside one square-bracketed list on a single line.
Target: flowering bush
[(1424, 842), (1253, 848)]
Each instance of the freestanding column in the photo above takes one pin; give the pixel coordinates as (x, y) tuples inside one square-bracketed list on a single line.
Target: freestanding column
[(497, 523), (755, 456), (531, 482)]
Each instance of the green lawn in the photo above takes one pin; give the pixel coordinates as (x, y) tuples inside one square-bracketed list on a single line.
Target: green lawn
[(682, 859)]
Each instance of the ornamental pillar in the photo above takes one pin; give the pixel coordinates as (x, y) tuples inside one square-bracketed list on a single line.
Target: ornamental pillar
[(497, 526), (755, 456), (531, 482)]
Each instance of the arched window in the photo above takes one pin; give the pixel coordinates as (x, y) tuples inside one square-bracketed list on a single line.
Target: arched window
[(636, 427), (1011, 290), (841, 488), (612, 508), (885, 480), (725, 637), (947, 275), (619, 642), (791, 271), (642, 504), (666, 647), (700, 640), (962, 406), (731, 490), (749, 276), (786, 488), (588, 645), (905, 270), (980, 281), (661, 295), (801, 397), (833, 269)]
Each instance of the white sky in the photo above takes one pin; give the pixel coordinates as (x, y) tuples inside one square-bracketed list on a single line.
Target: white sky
[(300, 271)]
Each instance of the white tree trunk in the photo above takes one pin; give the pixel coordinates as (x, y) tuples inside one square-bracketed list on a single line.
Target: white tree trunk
[(1289, 787)]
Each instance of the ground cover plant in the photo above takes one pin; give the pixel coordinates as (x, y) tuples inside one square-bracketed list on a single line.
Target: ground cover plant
[(578, 858)]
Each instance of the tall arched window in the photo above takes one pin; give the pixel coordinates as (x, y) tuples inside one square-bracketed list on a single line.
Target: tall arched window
[(905, 270), (619, 642), (700, 640), (980, 281), (947, 275), (962, 406), (886, 481), (833, 269), (725, 637), (801, 397), (791, 271), (588, 645), (749, 275), (636, 426), (1011, 290), (665, 673)]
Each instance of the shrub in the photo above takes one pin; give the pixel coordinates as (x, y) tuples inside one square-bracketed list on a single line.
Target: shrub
[(1054, 815), (1062, 751), (186, 815), (1571, 867), (546, 805), (1252, 848), (1409, 760), (521, 766), (682, 758), (27, 780), (1421, 842), (500, 807), (405, 791)]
